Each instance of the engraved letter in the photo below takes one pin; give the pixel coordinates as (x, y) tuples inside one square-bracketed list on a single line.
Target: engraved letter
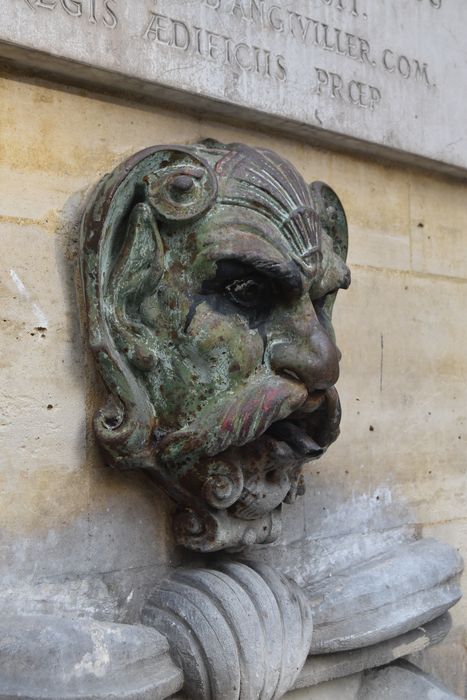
[(110, 20), (281, 69), (238, 56), (228, 58), (365, 51), (49, 4), (73, 7), (267, 62), (275, 19), (257, 12), (198, 37), (386, 54), (336, 85), (238, 7), (156, 29), (303, 25), (181, 35), (421, 72), (327, 45), (215, 4), (404, 67), (92, 11), (214, 47), (262, 61), (352, 46), (355, 99), (375, 96), (341, 50), (322, 78)]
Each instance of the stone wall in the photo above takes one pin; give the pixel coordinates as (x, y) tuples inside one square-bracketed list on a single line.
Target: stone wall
[(90, 539)]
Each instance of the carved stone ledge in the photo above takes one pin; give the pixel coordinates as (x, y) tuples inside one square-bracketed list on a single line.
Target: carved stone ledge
[(403, 680), (389, 595), (238, 631), (48, 657), (243, 632), (327, 667)]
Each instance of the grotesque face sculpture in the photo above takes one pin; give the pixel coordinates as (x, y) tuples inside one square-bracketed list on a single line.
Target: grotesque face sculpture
[(210, 273)]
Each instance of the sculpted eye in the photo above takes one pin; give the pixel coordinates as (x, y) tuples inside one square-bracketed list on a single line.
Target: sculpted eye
[(239, 285), (249, 293)]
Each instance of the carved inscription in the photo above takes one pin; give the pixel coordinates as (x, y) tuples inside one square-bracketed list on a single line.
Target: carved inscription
[(353, 92), (219, 48), (380, 76), (315, 33), (95, 11), (406, 67), (271, 21), (247, 9)]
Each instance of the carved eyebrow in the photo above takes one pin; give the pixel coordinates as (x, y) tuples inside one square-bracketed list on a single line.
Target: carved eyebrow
[(287, 274)]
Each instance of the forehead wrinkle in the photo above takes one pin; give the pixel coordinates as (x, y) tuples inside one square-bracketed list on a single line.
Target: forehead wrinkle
[(240, 220), (249, 229)]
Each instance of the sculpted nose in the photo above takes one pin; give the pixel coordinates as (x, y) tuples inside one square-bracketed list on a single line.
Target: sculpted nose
[(312, 357)]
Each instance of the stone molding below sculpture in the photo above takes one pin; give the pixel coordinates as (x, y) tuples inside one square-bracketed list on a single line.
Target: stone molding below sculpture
[(239, 631), (387, 596), (327, 667), (48, 657), (402, 680)]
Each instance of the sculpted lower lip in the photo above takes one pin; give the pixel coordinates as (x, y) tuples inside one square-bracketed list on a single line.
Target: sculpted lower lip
[(296, 438)]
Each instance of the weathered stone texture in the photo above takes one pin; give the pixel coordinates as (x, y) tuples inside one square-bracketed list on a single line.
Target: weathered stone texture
[(48, 657), (402, 680), (323, 668), (238, 631), (378, 78), (399, 681)]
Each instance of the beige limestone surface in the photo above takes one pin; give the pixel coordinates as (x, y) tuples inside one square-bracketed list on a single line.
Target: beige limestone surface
[(89, 538)]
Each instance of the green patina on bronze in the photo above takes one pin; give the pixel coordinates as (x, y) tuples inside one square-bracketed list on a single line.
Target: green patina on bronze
[(210, 272)]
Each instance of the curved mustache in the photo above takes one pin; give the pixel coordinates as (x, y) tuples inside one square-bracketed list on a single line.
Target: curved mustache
[(240, 419)]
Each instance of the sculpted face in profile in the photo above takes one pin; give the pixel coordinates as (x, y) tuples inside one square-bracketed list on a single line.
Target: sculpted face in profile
[(210, 272)]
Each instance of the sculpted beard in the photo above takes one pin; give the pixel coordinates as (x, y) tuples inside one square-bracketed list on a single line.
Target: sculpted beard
[(294, 428)]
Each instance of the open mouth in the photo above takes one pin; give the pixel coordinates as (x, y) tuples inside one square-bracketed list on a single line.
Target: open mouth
[(310, 430)]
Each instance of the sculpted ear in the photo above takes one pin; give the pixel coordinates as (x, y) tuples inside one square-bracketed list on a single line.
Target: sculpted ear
[(136, 274), (332, 216), (122, 262)]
